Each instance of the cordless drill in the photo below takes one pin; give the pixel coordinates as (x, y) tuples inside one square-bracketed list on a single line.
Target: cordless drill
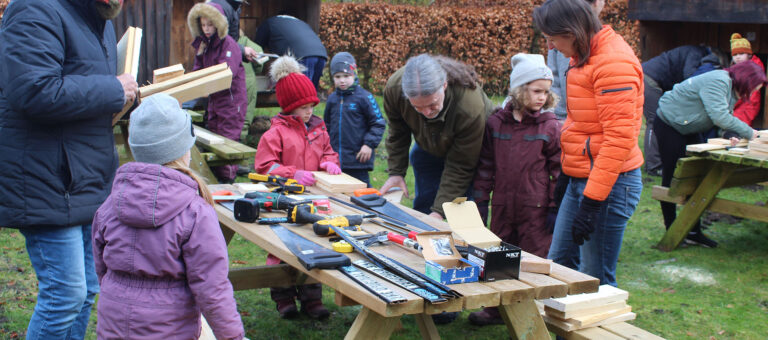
[(247, 209), (300, 213), (286, 185), (322, 228)]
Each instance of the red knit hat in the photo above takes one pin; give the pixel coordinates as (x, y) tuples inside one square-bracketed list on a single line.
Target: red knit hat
[(293, 88)]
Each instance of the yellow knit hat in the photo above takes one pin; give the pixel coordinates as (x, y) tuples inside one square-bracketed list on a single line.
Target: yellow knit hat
[(739, 45)]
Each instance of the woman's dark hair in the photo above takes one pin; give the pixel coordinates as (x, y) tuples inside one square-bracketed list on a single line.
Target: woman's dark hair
[(746, 77), (559, 17)]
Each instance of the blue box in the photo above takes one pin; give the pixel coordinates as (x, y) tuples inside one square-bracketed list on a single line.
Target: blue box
[(443, 262)]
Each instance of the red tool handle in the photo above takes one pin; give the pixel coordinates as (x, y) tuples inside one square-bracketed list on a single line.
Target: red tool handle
[(412, 235), (397, 238)]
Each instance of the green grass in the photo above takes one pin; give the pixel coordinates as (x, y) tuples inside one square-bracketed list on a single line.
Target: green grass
[(690, 293)]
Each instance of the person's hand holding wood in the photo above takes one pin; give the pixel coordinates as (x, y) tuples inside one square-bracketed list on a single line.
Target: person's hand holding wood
[(130, 87)]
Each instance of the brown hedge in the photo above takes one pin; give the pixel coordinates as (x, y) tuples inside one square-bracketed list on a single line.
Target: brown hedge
[(382, 37)]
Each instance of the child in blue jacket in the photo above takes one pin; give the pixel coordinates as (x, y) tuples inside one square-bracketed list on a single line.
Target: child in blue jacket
[(353, 119)]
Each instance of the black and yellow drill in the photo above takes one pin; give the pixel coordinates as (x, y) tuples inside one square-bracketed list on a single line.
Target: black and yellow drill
[(247, 209), (282, 184)]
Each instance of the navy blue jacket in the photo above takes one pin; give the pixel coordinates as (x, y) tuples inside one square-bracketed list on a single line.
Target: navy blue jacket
[(58, 92), (675, 65), (353, 118), (283, 33)]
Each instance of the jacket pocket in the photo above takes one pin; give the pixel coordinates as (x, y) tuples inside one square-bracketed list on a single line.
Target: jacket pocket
[(619, 89)]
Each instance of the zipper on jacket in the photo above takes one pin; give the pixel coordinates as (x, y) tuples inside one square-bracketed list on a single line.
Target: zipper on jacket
[(341, 113), (616, 90), (588, 152)]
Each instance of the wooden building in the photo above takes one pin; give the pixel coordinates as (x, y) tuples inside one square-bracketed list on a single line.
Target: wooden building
[(166, 37), (666, 24)]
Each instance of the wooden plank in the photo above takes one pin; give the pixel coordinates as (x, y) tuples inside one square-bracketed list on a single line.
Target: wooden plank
[(545, 286), (201, 87), (512, 291), (578, 282), (568, 327), (703, 147), (427, 326), (699, 201), (719, 205), (629, 331), (535, 265), (692, 167), (149, 90), (741, 176), (477, 296), (337, 183), (584, 311), (167, 73), (206, 137), (370, 325), (523, 320), (266, 276), (606, 294), (200, 166), (342, 300), (587, 320)]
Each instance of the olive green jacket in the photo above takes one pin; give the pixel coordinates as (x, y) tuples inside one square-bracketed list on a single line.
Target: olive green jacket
[(455, 134)]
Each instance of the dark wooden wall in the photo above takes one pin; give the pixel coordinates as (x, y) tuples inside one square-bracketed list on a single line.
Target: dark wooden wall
[(153, 17), (721, 11)]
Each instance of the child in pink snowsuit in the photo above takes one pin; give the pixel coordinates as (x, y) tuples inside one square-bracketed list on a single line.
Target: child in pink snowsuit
[(226, 108)]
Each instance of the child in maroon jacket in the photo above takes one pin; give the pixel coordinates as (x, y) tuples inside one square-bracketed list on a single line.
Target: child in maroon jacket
[(226, 108), (519, 163), (295, 145)]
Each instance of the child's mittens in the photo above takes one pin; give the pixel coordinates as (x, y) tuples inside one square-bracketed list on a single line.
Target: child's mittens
[(304, 177), (330, 167)]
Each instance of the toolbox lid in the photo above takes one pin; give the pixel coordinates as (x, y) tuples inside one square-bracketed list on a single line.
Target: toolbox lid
[(464, 219)]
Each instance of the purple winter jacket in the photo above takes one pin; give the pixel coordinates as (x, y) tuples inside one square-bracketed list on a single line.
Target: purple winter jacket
[(161, 259)]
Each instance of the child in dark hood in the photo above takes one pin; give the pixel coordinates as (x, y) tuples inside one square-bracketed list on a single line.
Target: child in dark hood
[(353, 118), (520, 163), (227, 108), (296, 144), (158, 249)]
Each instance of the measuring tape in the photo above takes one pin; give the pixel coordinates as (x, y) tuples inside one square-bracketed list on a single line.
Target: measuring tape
[(341, 247)]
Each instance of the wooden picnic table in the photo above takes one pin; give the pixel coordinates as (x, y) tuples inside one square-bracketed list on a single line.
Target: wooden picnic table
[(696, 183), (378, 319)]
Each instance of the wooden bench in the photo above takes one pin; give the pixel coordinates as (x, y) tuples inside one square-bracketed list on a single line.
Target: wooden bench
[(696, 182)]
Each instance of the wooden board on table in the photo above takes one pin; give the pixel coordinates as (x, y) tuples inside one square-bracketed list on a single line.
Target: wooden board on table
[(208, 138), (577, 281), (606, 294), (726, 142), (337, 183), (586, 320), (537, 265), (166, 73), (758, 146), (149, 90), (584, 311), (201, 87), (704, 147), (568, 326)]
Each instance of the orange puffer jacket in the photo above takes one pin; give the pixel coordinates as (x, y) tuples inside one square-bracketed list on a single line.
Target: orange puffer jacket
[(605, 110)]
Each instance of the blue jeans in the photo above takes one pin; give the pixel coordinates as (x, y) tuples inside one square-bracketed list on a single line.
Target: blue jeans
[(314, 69), (427, 172), (598, 256), (63, 261)]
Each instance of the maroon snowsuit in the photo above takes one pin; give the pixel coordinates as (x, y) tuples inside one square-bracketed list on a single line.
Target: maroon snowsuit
[(519, 163)]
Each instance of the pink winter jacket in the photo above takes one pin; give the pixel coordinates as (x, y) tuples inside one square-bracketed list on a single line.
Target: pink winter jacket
[(161, 259), (289, 145)]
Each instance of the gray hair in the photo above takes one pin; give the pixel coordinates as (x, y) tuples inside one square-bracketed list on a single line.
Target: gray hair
[(423, 76)]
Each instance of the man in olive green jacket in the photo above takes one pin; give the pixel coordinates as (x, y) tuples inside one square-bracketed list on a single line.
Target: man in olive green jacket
[(440, 102)]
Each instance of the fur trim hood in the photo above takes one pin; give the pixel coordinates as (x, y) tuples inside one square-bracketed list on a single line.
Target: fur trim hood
[(213, 12)]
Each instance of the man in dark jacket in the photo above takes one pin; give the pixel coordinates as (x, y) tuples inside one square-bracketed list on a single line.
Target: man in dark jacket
[(232, 10), (58, 92), (661, 74), (283, 33)]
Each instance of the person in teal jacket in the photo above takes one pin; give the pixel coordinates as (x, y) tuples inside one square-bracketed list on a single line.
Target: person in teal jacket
[(695, 106)]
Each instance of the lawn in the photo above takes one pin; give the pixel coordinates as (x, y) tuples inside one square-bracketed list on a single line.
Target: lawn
[(690, 293)]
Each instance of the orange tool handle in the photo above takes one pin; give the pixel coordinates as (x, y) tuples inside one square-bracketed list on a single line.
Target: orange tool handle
[(366, 191)]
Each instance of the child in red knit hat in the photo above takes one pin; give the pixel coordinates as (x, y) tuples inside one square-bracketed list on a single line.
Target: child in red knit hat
[(295, 145)]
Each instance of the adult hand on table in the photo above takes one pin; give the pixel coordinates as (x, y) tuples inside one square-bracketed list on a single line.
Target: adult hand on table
[(304, 177), (436, 215), (330, 167), (586, 220), (395, 181), (130, 87)]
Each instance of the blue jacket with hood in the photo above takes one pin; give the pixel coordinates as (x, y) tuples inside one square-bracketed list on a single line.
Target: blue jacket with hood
[(353, 118)]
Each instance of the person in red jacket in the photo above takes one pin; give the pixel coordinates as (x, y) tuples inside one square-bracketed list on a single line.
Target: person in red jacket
[(746, 109), (295, 145), (599, 138), (522, 140)]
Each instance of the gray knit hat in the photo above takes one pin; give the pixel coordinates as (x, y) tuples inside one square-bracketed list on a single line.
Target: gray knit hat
[(527, 68), (343, 62), (160, 131)]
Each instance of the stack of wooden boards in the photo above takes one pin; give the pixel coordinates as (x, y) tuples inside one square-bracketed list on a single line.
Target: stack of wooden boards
[(575, 312), (337, 183), (128, 52), (756, 147)]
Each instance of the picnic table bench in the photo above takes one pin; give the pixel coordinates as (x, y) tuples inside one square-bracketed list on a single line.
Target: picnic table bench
[(377, 319), (696, 183)]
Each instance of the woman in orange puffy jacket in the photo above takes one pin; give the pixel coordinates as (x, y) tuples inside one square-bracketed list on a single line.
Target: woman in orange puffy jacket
[(604, 89)]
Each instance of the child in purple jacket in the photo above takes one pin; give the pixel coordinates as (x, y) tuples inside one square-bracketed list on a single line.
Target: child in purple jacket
[(157, 246), (227, 108)]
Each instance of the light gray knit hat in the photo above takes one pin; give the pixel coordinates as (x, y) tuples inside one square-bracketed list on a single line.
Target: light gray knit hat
[(527, 68), (160, 131)]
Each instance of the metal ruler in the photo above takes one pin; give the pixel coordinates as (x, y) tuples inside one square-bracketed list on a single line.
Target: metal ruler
[(405, 284), (373, 286)]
